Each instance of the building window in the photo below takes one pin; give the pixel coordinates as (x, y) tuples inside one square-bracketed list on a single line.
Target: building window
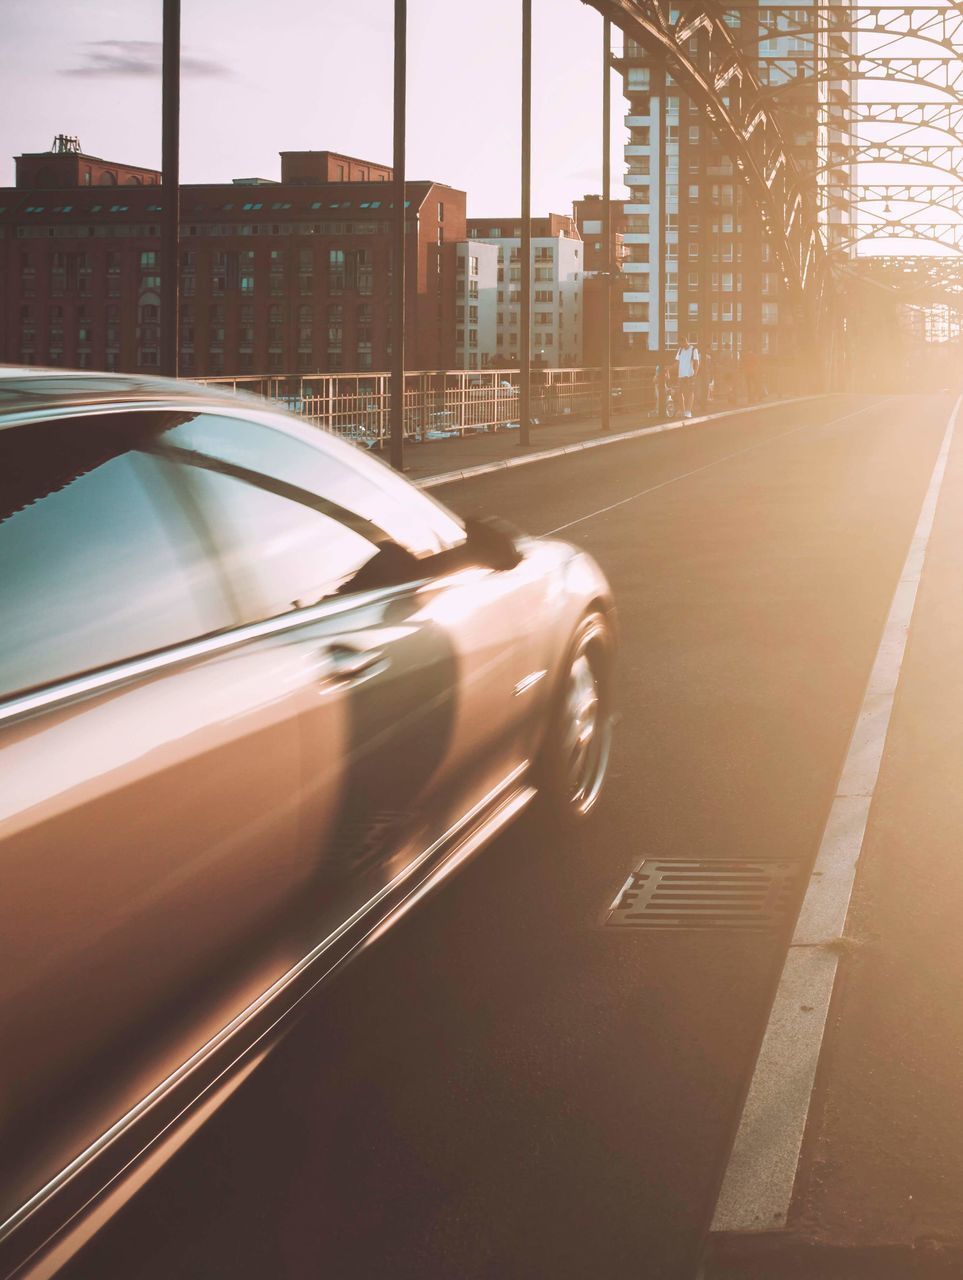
[(336, 270), (275, 325), (84, 328), (305, 327), (218, 273), (28, 274), (276, 272), (365, 272), (245, 332), (186, 327), (215, 326), (335, 334), (364, 330), (247, 271)]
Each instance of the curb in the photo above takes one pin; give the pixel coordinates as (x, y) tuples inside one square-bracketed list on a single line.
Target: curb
[(504, 464)]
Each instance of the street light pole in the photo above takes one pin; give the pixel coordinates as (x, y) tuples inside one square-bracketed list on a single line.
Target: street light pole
[(606, 226), (170, 187), (398, 243), (525, 309)]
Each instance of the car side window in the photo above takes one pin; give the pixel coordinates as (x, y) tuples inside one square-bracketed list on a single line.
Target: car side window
[(96, 562), (279, 553), (328, 467)]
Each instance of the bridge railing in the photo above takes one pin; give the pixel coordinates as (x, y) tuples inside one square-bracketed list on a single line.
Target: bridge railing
[(446, 402)]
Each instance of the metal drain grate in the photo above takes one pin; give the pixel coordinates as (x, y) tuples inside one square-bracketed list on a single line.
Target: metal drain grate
[(676, 893)]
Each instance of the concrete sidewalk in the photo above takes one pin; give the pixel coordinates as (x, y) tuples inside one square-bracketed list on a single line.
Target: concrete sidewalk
[(434, 458), (878, 1191)]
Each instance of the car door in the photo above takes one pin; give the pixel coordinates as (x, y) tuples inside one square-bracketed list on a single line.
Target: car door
[(152, 849), (428, 668)]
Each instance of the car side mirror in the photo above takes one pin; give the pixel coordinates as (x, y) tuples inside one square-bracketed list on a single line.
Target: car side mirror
[(492, 542)]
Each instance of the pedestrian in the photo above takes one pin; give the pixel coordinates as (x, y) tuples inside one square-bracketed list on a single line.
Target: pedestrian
[(658, 387), (704, 383), (750, 369), (687, 360)]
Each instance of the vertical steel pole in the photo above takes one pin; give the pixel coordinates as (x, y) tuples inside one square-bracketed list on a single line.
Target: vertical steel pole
[(525, 310), (170, 272), (398, 243), (606, 225)]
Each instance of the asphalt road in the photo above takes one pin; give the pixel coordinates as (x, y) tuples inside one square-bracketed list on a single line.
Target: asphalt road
[(505, 1087)]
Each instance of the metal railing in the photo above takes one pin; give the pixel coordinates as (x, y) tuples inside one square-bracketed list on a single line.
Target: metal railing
[(446, 403)]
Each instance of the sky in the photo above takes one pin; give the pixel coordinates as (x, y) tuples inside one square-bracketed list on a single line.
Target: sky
[(259, 78)]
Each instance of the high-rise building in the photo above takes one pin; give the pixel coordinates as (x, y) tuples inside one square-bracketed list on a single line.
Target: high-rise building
[(557, 278), (694, 256), (276, 277), (696, 259)]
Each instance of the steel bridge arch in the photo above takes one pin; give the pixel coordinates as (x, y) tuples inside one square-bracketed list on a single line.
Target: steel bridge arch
[(732, 100)]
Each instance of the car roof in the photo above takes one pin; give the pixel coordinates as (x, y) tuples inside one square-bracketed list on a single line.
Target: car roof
[(25, 389)]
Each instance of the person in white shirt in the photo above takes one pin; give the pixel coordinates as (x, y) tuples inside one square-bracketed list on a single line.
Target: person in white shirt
[(687, 358)]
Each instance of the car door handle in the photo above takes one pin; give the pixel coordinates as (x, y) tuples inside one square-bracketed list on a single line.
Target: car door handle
[(347, 665)]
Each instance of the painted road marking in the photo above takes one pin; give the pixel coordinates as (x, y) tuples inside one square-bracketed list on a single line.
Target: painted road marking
[(579, 446), (758, 1184), (759, 444)]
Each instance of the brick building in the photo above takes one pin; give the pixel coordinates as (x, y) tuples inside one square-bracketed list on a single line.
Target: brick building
[(286, 277)]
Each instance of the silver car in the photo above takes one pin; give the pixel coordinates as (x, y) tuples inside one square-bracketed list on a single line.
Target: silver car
[(258, 694)]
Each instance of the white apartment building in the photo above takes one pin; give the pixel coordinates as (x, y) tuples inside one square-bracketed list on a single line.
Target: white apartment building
[(476, 304), (696, 259), (558, 271)]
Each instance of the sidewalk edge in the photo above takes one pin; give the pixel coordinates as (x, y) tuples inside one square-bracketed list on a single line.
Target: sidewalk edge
[(505, 464)]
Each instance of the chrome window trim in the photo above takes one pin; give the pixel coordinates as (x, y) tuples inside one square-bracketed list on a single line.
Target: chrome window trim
[(68, 690), (23, 417)]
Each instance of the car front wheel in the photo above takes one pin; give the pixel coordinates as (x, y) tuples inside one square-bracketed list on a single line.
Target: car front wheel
[(573, 762)]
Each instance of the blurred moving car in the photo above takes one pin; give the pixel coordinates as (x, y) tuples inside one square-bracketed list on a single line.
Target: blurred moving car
[(258, 694)]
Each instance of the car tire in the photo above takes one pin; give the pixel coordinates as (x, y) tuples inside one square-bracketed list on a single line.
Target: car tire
[(572, 764)]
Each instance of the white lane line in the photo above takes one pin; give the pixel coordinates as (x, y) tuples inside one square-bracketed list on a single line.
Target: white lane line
[(758, 1184), (579, 446), (759, 444)]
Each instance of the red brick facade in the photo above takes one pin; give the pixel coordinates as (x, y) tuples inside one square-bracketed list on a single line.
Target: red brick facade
[(275, 277)]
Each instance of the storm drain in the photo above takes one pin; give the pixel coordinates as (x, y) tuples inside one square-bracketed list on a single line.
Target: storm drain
[(675, 893)]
